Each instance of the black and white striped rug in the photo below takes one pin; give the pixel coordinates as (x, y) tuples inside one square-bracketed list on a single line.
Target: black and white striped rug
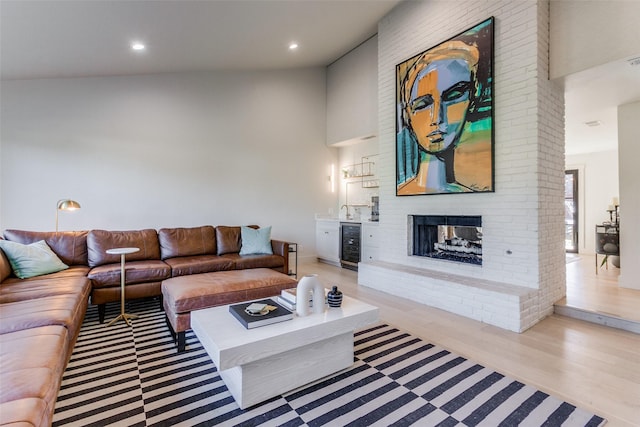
[(133, 376)]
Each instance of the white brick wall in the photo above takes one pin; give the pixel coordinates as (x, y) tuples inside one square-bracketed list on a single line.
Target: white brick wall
[(525, 214), (551, 161)]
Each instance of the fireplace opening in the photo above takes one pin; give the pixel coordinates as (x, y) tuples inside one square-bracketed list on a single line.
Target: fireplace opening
[(445, 237)]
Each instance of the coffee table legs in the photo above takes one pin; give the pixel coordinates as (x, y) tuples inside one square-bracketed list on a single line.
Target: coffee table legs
[(122, 314)]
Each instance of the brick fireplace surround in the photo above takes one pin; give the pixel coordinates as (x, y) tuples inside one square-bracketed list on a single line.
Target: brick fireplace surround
[(523, 263), (510, 307)]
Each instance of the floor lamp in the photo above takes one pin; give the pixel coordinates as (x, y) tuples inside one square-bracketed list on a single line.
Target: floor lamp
[(65, 205)]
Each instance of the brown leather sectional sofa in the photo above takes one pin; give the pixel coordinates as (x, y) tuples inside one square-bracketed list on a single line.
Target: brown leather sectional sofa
[(40, 317)]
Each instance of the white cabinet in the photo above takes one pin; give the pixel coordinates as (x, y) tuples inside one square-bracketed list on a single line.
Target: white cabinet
[(370, 241), (328, 241), (352, 95)]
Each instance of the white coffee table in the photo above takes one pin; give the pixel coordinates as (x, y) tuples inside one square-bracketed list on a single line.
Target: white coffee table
[(258, 364)]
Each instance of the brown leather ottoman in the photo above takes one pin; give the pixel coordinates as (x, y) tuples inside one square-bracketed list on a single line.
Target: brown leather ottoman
[(183, 294)]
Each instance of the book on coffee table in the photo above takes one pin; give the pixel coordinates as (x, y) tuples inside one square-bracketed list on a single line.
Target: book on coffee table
[(287, 304), (260, 313), (289, 295)]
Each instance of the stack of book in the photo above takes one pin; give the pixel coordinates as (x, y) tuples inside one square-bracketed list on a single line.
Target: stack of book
[(260, 313), (287, 298)]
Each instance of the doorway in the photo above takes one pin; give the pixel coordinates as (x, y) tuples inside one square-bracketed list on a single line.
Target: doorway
[(571, 225)]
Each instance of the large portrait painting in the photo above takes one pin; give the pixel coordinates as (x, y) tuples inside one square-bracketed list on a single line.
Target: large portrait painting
[(444, 123)]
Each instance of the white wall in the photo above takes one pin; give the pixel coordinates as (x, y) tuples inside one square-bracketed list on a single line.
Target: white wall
[(352, 94), (597, 185), (168, 150), (587, 33), (629, 153)]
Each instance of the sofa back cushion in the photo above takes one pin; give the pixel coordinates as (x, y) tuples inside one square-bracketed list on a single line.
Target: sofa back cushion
[(70, 246), (229, 239), (98, 241), (176, 242)]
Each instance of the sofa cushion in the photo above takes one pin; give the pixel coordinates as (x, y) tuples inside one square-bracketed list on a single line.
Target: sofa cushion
[(70, 246), (184, 265), (65, 310), (255, 241), (31, 260), (29, 412), (229, 239), (37, 347), (41, 383), (108, 275), (23, 290), (71, 272), (242, 262), (182, 242), (33, 362), (98, 241)]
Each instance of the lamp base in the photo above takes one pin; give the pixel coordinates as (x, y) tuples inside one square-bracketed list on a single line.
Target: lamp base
[(125, 317)]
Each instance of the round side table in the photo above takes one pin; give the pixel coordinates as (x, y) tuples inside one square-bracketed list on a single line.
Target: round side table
[(122, 252)]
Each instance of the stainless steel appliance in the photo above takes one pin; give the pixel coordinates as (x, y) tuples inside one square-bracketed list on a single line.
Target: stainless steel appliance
[(375, 208), (349, 245)]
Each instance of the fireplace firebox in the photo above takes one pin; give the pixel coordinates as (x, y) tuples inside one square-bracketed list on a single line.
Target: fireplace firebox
[(446, 237)]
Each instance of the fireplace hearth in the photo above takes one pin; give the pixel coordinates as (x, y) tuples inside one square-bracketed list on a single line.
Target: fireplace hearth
[(446, 237)]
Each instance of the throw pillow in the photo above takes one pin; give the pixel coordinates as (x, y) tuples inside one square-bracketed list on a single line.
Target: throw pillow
[(31, 260), (255, 241)]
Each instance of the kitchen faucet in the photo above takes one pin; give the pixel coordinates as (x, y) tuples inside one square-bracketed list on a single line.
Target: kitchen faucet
[(348, 214)]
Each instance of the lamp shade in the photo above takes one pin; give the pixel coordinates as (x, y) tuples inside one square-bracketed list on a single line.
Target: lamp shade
[(65, 205), (68, 205)]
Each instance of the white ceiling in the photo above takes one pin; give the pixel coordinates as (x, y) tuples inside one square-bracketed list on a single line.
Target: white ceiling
[(73, 38), (594, 95)]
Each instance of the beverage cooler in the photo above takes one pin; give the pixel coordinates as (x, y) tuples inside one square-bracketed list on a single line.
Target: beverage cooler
[(349, 245)]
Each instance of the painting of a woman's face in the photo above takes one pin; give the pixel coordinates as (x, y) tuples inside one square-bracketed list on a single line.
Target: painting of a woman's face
[(438, 103), (444, 116)]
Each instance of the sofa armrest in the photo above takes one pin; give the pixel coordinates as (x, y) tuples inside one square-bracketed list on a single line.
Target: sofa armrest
[(281, 248), (5, 266)]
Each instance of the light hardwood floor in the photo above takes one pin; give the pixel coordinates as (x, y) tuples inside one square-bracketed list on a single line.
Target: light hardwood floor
[(599, 292), (593, 366)]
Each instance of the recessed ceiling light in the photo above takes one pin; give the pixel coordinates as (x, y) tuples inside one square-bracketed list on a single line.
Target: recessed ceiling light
[(293, 46), (137, 46)]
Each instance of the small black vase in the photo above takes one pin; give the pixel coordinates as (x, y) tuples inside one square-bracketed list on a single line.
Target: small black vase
[(334, 297)]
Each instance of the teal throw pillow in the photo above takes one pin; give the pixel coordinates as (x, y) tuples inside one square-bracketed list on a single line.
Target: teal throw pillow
[(31, 260), (255, 241)]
